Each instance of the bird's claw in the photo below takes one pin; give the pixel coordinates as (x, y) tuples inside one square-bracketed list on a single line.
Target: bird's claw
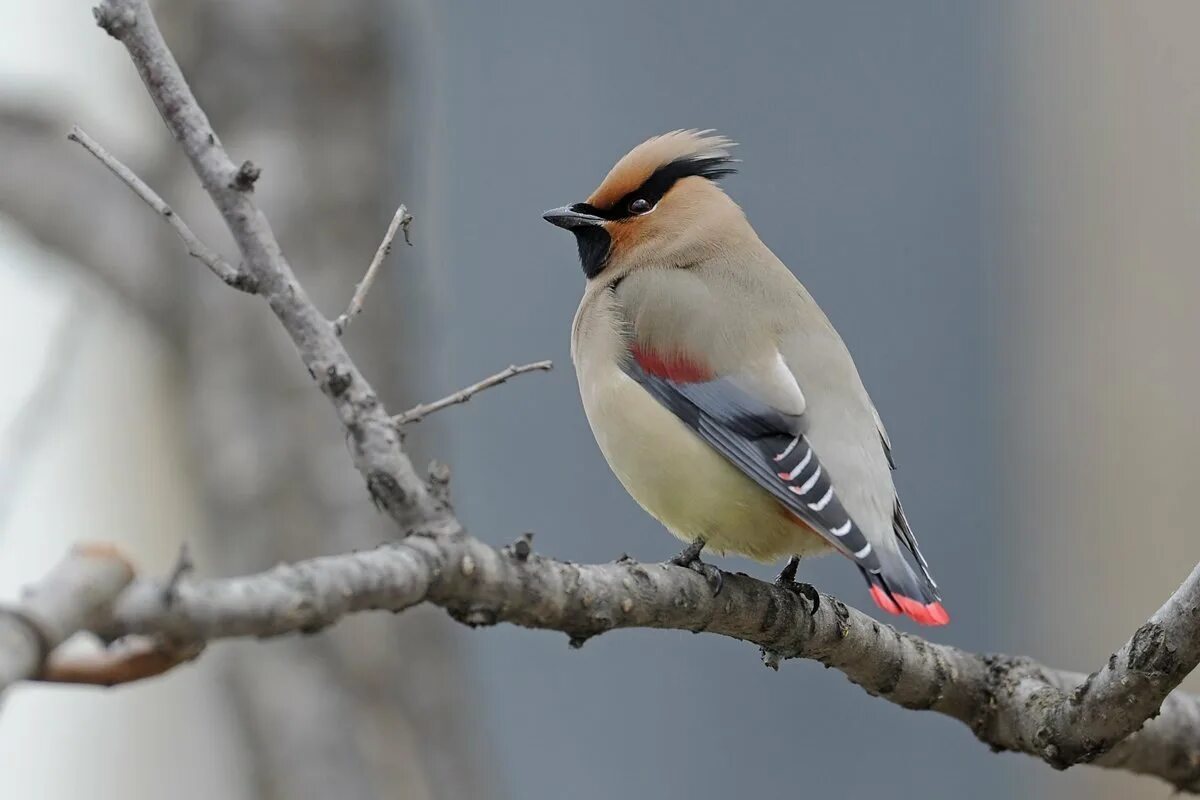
[(787, 576), (690, 557), (786, 580), (811, 593)]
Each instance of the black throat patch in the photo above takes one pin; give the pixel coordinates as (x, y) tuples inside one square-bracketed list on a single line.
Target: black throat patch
[(594, 243)]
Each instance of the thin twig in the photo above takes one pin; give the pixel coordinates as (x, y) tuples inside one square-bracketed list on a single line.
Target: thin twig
[(419, 412), (195, 247), (402, 219)]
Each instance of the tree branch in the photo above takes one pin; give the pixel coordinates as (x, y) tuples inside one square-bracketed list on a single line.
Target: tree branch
[(1009, 703), (373, 439), (74, 596), (402, 219), (419, 412)]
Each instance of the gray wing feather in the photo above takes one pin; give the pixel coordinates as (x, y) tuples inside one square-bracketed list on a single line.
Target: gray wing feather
[(769, 447)]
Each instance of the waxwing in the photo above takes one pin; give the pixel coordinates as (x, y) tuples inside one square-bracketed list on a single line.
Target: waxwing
[(718, 391)]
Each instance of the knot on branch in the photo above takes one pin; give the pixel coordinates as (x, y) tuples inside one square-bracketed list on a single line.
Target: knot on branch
[(114, 22), (592, 624), (245, 178), (337, 381), (242, 281), (439, 483), (474, 615), (521, 549), (1150, 653), (386, 491)]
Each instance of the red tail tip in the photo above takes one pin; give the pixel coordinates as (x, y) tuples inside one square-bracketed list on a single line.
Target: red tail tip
[(930, 614), (884, 601), (926, 614)]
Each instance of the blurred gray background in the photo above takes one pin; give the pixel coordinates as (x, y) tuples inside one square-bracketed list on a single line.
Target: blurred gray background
[(995, 203)]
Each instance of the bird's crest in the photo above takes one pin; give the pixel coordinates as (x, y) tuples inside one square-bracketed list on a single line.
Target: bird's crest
[(665, 159)]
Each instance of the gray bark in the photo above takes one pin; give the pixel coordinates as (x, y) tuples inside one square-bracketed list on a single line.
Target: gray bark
[(1010, 703)]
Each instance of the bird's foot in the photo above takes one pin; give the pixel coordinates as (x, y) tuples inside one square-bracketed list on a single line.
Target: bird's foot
[(786, 580), (787, 575), (690, 557)]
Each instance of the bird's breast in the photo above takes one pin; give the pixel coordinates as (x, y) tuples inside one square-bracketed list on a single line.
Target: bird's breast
[(673, 474)]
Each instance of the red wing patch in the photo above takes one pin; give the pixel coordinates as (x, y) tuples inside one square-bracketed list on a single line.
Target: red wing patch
[(675, 367)]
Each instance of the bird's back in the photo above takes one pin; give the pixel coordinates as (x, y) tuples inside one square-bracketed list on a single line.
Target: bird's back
[(840, 419)]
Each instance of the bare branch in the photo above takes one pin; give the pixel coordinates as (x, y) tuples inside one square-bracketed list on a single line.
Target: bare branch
[(419, 412), (1009, 703), (74, 596), (196, 248), (1129, 689), (402, 219), (374, 441)]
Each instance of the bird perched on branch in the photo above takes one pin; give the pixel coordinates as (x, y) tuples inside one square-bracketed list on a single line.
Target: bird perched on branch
[(717, 389)]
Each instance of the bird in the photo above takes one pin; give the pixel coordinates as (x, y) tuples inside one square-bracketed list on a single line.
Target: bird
[(718, 391)]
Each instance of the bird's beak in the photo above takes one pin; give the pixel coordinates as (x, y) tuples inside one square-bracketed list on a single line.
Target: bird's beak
[(567, 217)]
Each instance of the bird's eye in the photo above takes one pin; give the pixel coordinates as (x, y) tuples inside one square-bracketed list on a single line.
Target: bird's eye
[(639, 206)]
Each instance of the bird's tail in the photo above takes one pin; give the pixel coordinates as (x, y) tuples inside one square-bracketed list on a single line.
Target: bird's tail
[(897, 589)]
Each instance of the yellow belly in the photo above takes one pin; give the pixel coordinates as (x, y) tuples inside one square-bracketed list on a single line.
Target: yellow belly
[(684, 483)]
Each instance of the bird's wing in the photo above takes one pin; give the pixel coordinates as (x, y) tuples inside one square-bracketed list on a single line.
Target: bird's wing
[(755, 420), (899, 520), (766, 444)]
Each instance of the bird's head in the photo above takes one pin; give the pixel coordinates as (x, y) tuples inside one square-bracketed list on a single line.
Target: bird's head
[(660, 206)]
